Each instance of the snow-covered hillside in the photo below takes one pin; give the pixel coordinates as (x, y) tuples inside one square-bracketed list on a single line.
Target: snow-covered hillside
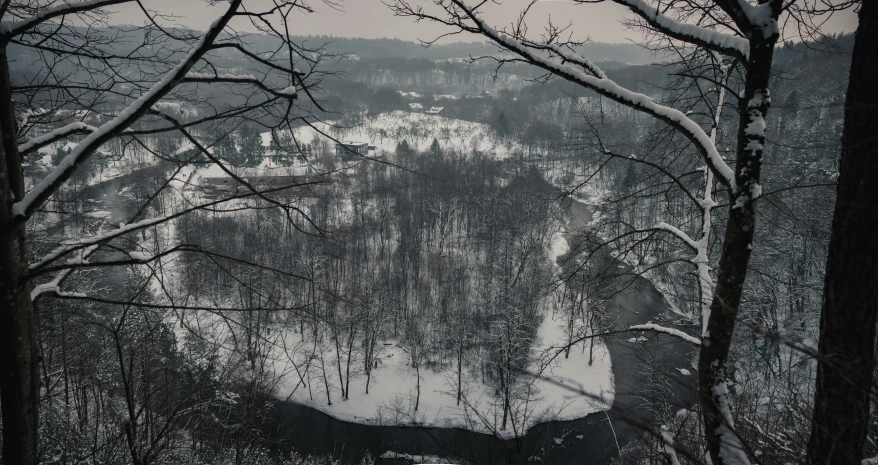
[(386, 130)]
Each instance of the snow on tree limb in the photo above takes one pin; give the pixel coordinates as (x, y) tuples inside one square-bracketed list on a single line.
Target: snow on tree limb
[(14, 28), (666, 330), (48, 185), (73, 246), (581, 61), (608, 88), (36, 143), (677, 232), (732, 449), (726, 44), (98, 238), (250, 79), (761, 18), (54, 286), (668, 440)]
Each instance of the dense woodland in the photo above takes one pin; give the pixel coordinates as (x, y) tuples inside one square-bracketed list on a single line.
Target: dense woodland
[(171, 318)]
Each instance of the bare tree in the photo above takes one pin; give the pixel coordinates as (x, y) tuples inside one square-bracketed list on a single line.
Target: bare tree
[(744, 34), (118, 96)]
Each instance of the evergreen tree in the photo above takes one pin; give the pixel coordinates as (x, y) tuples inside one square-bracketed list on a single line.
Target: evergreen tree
[(502, 126), (403, 149), (250, 147), (59, 155), (435, 149), (224, 147)]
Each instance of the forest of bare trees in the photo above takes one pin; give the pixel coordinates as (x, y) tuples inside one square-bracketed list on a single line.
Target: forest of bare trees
[(166, 292)]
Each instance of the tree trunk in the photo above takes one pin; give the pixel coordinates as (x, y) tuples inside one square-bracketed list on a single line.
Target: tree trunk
[(338, 364), (850, 296), (732, 270), (459, 370), (19, 385), (418, 387), (347, 383)]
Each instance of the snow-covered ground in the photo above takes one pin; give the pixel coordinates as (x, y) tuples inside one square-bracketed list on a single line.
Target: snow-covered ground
[(393, 387), (386, 130)]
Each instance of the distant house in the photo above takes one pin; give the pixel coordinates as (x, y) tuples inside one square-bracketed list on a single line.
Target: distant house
[(416, 106), (349, 149), (434, 110)]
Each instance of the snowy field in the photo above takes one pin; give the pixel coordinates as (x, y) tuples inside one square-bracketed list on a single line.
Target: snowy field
[(419, 129)]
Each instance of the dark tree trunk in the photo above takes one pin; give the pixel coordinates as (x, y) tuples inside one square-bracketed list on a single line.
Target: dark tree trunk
[(459, 370), (19, 383), (850, 294), (737, 245)]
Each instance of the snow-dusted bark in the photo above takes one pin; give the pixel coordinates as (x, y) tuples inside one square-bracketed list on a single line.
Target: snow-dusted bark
[(730, 450), (701, 259), (731, 272)]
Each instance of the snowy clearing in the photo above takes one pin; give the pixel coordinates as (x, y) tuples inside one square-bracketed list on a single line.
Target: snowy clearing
[(393, 388)]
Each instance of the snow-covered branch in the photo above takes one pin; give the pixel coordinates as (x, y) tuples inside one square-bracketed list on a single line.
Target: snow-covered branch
[(36, 143), (65, 169), (54, 286), (289, 91), (582, 61), (69, 247), (668, 439), (726, 44), (754, 20), (608, 88), (14, 28), (679, 233), (665, 330), (72, 246)]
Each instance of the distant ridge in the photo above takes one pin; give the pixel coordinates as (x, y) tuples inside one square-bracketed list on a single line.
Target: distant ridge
[(396, 48)]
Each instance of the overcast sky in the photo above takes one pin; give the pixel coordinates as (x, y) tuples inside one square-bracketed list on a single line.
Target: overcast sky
[(372, 19)]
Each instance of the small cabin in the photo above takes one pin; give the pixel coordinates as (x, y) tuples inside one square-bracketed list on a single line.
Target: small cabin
[(351, 149)]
